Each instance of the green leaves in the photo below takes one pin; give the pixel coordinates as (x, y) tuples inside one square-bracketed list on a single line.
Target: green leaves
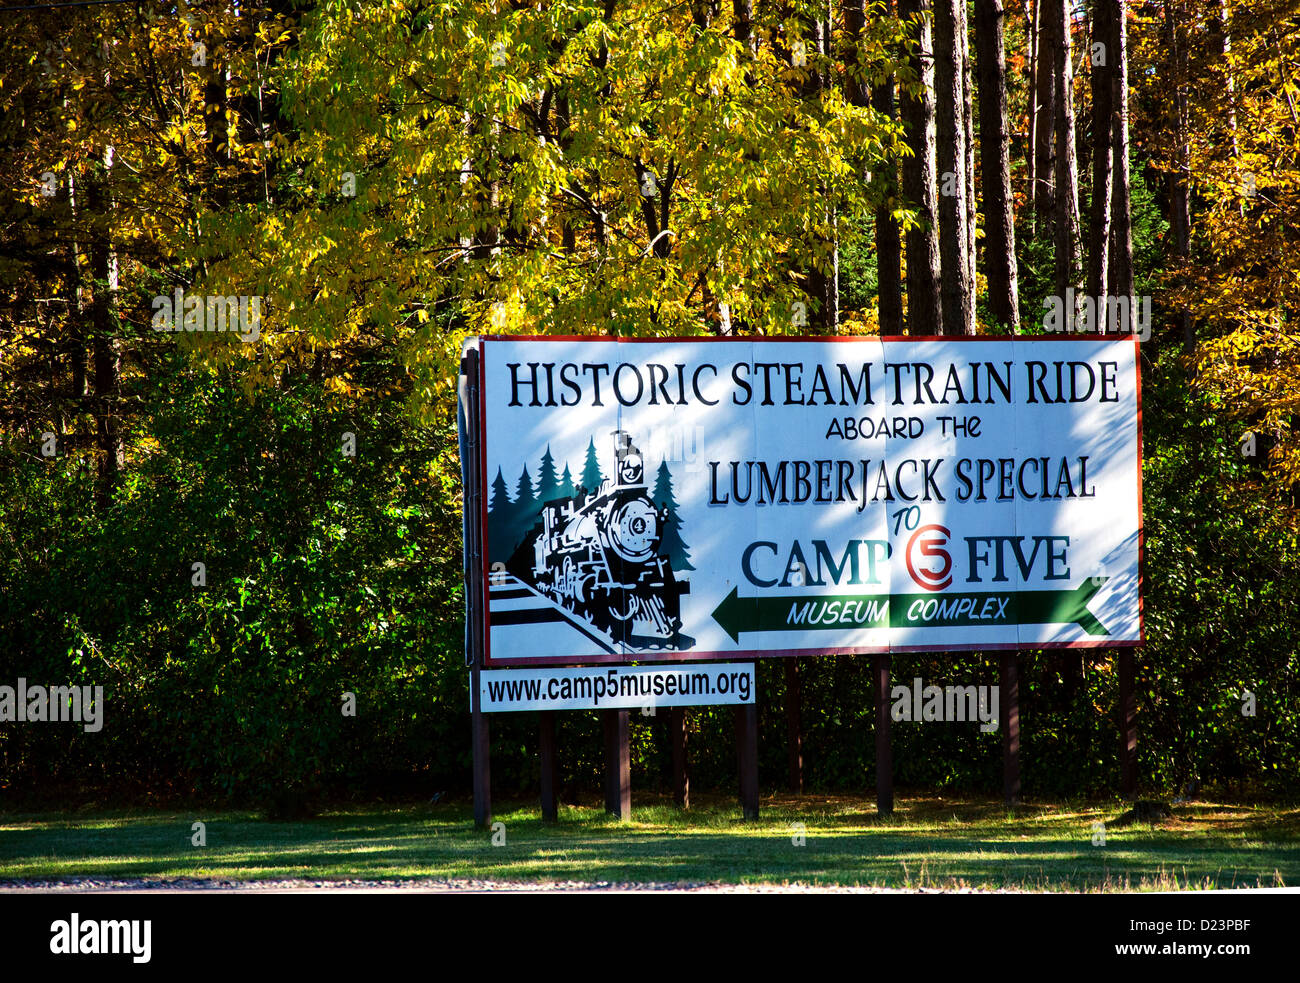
[(499, 153)]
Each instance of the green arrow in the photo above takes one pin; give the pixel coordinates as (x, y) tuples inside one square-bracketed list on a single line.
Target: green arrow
[(1029, 607), (826, 612), (1061, 607), (794, 612)]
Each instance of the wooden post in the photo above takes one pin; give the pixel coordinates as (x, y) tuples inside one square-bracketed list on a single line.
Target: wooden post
[(880, 665), (681, 778), (1009, 684), (793, 723), (468, 436), (1127, 725), (747, 758), (550, 811), (618, 765), (482, 755)]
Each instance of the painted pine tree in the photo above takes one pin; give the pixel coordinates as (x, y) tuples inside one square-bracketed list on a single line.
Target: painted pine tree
[(524, 512), (671, 545), (547, 484), (591, 476), (566, 483), (500, 521)]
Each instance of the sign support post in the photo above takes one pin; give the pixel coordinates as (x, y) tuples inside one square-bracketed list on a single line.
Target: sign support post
[(550, 810), (618, 765), (747, 754), (471, 434), (480, 741), (1127, 725), (1009, 684), (681, 778), (880, 665), (793, 723)]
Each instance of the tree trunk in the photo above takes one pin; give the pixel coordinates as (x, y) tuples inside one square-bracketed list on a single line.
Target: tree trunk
[(920, 186), (1221, 45), (743, 14), (1180, 216), (1044, 191), (821, 284), (1102, 149), (968, 117), (76, 307), (1120, 258), (829, 280), (105, 347), (794, 725), (1066, 218), (950, 132), (217, 139), (1031, 159), (995, 166), (889, 243), (889, 288)]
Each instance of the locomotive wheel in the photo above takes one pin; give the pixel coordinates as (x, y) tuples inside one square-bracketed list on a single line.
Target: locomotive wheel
[(633, 606), (573, 584)]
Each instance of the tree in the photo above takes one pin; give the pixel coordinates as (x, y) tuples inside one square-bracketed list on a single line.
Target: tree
[(996, 202), (875, 88), (821, 275), (957, 290), (524, 511), (112, 158), (626, 163), (1179, 171), (1103, 146), (1045, 109), (500, 521), (968, 119), (1032, 8), (920, 182), (1239, 284), (888, 235), (566, 483), (1066, 216), (1119, 277), (547, 484), (591, 476), (106, 346), (671, 546)]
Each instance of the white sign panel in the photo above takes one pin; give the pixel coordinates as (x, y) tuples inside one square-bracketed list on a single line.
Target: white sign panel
[(616, 688), (652, 500)]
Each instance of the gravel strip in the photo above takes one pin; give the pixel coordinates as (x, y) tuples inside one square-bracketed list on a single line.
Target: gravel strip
[(88, 885)]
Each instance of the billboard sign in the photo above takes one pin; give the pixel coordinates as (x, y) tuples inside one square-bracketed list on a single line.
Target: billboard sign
[(692, 499)]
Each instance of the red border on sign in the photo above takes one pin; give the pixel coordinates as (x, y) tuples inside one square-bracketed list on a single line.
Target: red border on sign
[(669, 657), (1137, 373), (483, 501)]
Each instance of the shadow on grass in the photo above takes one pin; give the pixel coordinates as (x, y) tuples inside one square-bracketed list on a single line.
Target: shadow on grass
[(926, 843)]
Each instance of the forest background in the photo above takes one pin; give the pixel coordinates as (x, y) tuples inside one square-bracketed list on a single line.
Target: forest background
[(229, 535)]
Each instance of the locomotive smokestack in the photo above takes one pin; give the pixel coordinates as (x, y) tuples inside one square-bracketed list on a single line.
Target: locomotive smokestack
[(629, 466)]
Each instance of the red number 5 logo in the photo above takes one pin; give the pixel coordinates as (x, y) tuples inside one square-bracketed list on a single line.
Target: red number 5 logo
[(929, 541)]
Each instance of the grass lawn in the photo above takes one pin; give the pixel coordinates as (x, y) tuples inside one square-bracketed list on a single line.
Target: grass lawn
[(928, 842)]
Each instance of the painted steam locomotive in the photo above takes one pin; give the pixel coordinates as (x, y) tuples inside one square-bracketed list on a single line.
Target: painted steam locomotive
[(596, 555)]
